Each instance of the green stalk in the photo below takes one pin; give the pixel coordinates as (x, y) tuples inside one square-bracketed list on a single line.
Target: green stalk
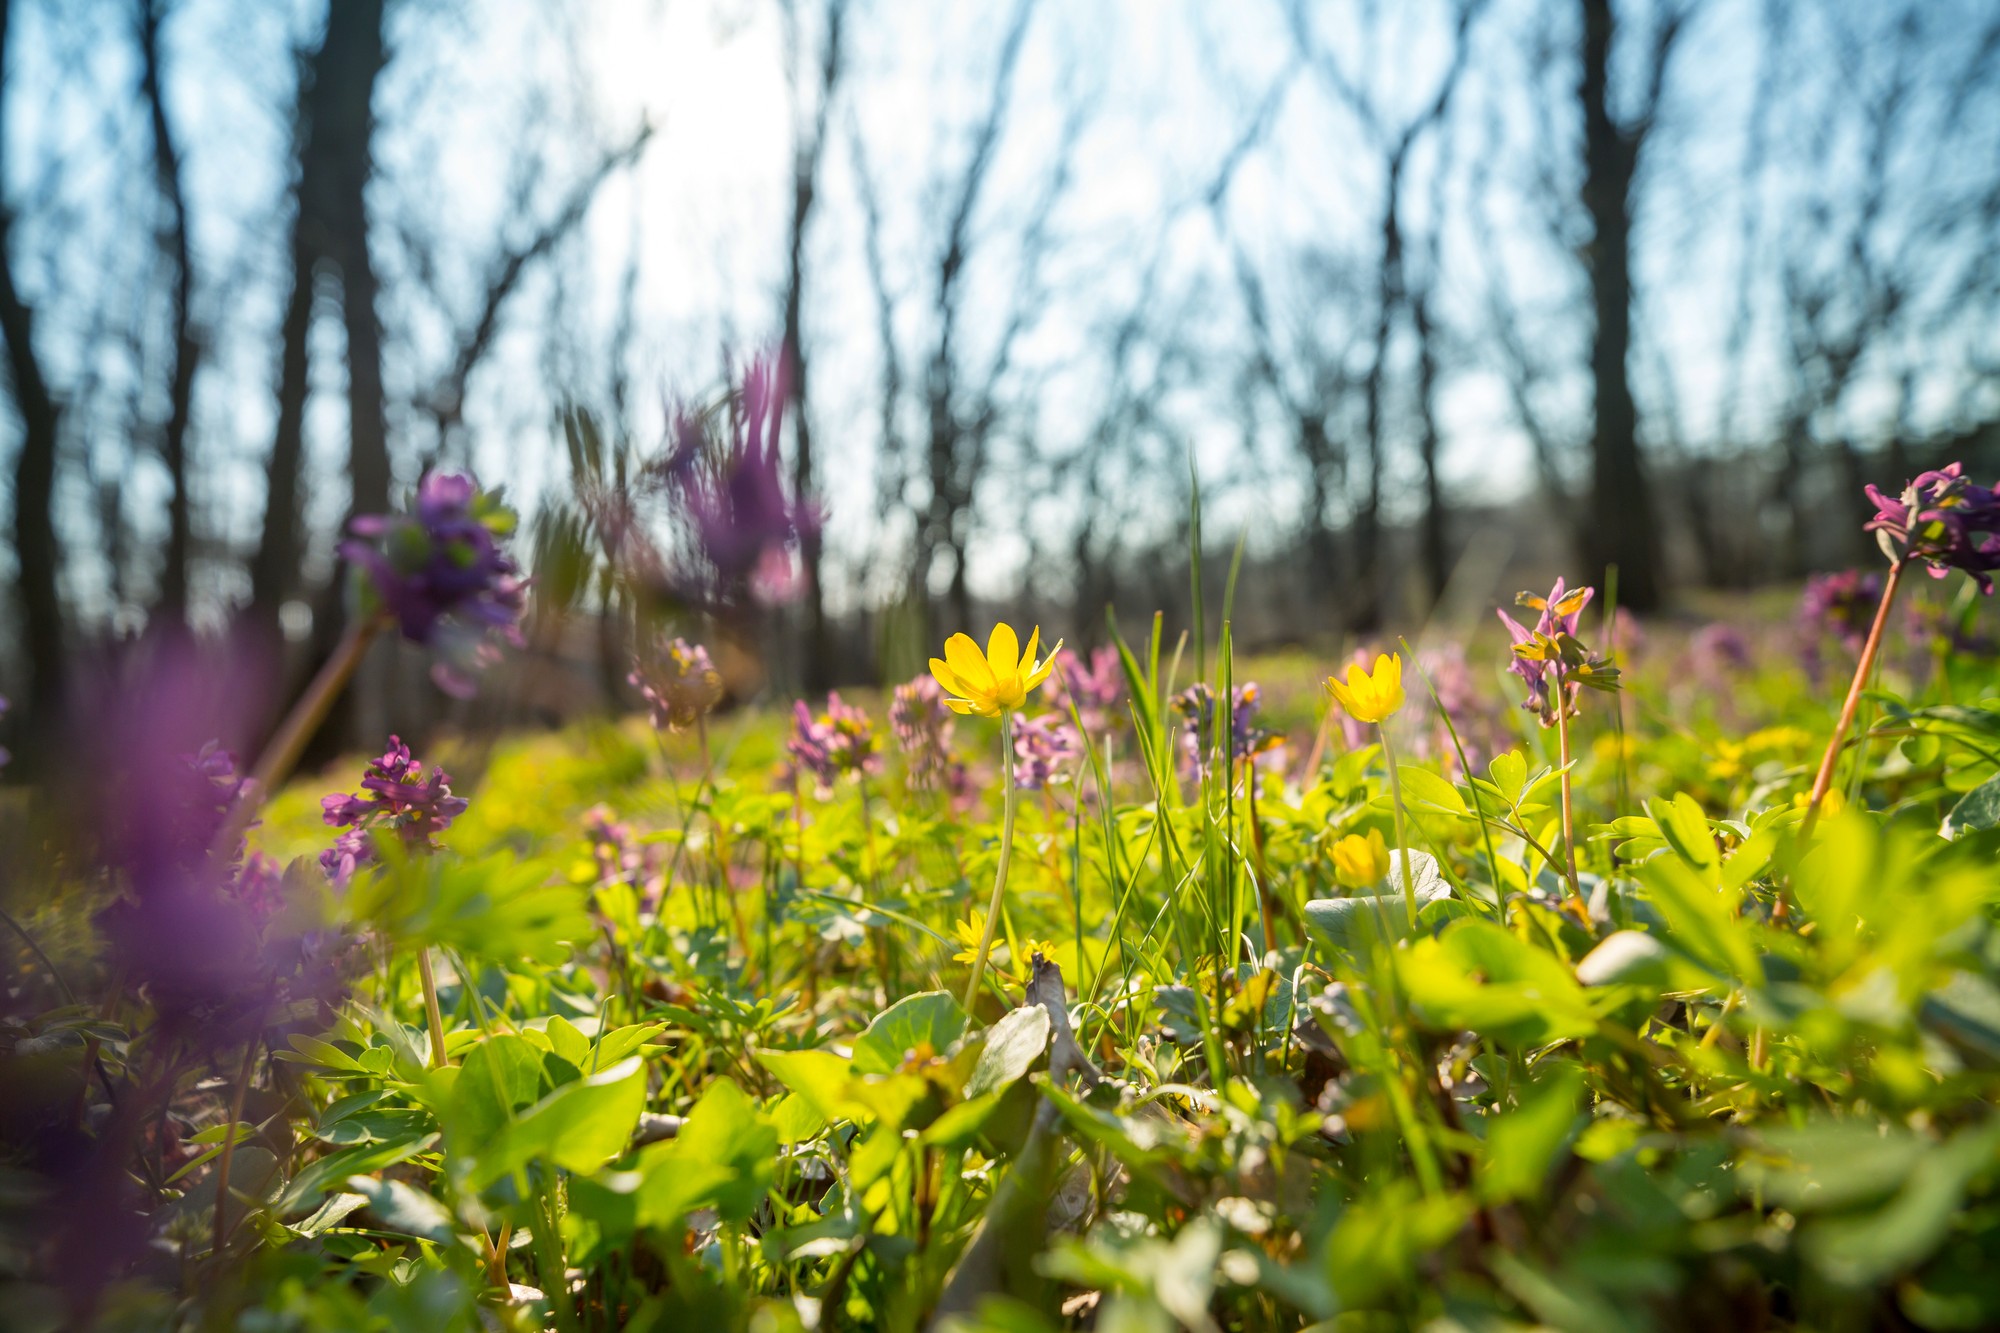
[(432, 1015), (1402, 834), (1569, 819), (1006, 853)]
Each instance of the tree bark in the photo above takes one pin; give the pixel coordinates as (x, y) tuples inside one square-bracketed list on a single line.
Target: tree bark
[(36, 548), (1622, 525)]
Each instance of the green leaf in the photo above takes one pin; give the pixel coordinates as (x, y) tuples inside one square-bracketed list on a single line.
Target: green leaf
[(401, 1208), (1478, 976), (579, 1127), (1686, 830), (927, 1019), (1012, 1046), (821, 1079), (1426, 793), (1700, 921), (1870, 1247), (724, 1158), (497, 1076), (1978, 809), (1521, 1145)]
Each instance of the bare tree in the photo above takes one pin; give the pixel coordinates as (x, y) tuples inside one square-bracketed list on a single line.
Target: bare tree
[(1623, 526), (329, 226), (36, 550), (186, 354), (809, 122)]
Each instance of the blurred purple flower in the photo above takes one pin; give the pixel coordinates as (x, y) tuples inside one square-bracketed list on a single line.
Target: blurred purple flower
[(1096, 689), (1196, 704), (1716, 653), (1472, 714), (732, 497), (1841, 605), (620, 856), (922, 726), (1559, 613), (838, 742), (679, 684), (1943, 520), (1042, 745), (4, 755), (396, 795), (441, 573)]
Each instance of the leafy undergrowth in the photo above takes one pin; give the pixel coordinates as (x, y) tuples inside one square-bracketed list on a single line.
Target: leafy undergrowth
[(706, 1062)]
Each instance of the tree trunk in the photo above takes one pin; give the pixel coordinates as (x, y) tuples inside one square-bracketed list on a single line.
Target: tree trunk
[(817, 667), (36, 548), (1622, 526), (173, 598)]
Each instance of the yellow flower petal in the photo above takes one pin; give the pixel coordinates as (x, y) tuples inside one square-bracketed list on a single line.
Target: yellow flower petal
[(1027, 664), (1003, 658), (972, 669)]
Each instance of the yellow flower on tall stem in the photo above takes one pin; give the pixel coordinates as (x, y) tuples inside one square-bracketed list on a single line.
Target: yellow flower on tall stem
[(1370, 696), (1375, 696), (993, 684)]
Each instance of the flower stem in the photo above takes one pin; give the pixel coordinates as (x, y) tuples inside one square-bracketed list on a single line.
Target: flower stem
[(223, 1161), (1006, 853), (1569, 816), (432, 1015), (1402, 834), (281, 752), (1862, 670)]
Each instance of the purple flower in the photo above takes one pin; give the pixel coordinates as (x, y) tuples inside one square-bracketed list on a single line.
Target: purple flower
[(396, 794), (1096, 689), (1042, 746), (922, 726), (1841, 605), (1549, 659), (730, 495), (4, 755), (441, 572), (1943, 520), (1196, 704), (680, 685), (621, 858), (1717, 651), (838, 742), (1473, 714)]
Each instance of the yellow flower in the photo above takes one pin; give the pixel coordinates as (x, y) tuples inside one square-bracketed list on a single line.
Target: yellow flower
[(1360, 863), (993, 682), (1370, 696), (968, 933)]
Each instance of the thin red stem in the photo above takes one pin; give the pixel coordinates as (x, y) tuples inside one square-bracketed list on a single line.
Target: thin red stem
[(1823, 781)]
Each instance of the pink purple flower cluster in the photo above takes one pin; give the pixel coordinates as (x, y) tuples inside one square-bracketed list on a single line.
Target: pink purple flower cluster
[(679, 684), (1043, 748), (1196, 705), (1943, 520), (923, 727), (1841, 605), (1096, 689), (838, 742), (730, 494), (441, 573), (396, 795), (1559, 613)]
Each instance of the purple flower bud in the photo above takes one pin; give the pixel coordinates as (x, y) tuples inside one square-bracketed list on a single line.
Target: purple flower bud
[(1943, 520), (922, 726), (396, 795), (441, 572), (838, 742), (680, 684)]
